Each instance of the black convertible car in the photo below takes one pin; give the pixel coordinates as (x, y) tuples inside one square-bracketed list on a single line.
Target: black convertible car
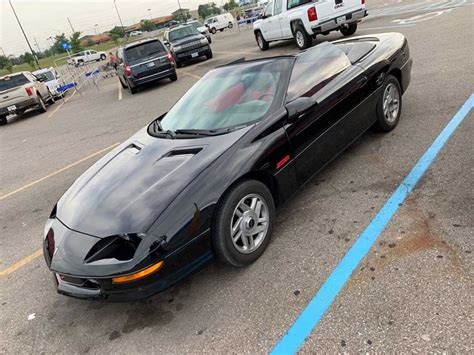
[(204, 179)]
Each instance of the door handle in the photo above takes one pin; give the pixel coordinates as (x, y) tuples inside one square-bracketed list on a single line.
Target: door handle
[(362, 81)]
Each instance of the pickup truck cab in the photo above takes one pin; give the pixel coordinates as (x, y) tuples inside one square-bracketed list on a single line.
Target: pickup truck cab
[(304, 19), (84, 57), (20, 92)]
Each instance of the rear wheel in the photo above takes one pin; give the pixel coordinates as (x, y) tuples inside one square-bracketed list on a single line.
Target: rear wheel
[(389, 106), (102, 57), (174, 77), (243, 224), (262, 44), (3, 120), (41, 105), (133, 89), (303, 40), (213, 30), (178, 64), (349, 29), (123, 85)]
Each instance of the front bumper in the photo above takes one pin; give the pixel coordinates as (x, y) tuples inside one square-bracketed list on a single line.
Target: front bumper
[(177, 265), (158, 76), (332, 24), (186, 55), (20, 105)]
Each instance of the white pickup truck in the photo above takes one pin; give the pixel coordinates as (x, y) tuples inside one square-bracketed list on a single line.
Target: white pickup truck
[(304, 19), (86, 56)]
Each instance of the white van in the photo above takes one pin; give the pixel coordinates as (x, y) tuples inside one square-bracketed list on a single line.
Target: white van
[(219, 22)]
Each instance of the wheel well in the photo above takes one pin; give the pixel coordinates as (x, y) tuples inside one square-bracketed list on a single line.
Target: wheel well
[(397, 74), (294, 24)]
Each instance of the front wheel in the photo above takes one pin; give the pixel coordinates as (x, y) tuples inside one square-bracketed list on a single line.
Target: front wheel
[(349, 29), (261, 42), (51, 98), (213, 30), (243, 224), (389, 107), (230, 25), (209, 54), (303, 40), (102, 57)]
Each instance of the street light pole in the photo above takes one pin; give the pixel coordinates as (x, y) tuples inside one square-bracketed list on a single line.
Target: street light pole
[(149, 12), (120, 19), (24, 34)]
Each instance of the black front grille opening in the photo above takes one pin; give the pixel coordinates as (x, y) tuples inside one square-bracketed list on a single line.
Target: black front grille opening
[(121, 248)]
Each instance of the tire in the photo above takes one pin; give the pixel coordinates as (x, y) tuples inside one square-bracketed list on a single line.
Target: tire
[(213, 30), (123, 85), (51, 100), (42, 106), (80, 62), (303, 40), (389, 106), (209, 39), (349, 30), (133, 89), (3, 120), (230, 25), (209, 54), (178, 64), (174, 77), (103, 56), (261, 42), (239, 253), (222, 30)]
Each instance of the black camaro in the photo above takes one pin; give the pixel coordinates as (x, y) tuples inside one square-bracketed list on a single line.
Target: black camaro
[(204, 179)]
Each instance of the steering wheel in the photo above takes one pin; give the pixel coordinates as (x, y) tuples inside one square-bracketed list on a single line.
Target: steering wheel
[(266, 94)]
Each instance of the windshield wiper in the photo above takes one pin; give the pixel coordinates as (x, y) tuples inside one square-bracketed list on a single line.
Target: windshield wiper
[(158, 129), (200, 132)]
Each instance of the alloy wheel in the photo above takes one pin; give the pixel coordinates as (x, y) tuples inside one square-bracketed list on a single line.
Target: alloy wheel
[(391, 103)]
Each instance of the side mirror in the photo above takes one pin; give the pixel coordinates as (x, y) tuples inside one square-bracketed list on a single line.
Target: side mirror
[(167, 44), (299, 108), (261, 17)]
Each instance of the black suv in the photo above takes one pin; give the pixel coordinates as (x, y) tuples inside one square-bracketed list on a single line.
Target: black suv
[(144, 61), (186, 43)]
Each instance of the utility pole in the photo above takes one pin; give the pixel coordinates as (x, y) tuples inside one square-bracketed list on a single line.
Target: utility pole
[(24, 34), (1, 49), (120, 19), (149, 13), (37, 45), (70, 24)]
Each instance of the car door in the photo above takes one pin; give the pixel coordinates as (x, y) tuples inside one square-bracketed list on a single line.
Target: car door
[(39, 86), (334, 116), (276, 29), (93, 55), (268, 22)]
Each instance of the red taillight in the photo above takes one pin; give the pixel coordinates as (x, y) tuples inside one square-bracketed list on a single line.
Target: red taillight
[(127, 70), (312, 15), (170, 57), (362, 2), (29, 91)]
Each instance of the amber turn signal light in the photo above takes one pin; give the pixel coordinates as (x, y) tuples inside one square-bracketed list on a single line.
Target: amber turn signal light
[(138, 275)]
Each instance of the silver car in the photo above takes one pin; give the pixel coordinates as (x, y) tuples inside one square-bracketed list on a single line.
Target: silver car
[(20, 92)]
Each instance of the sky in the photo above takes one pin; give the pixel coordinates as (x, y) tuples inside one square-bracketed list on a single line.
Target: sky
[(42, 19)]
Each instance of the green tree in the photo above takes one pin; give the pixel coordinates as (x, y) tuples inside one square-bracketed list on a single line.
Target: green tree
[(28, 58), (90, 42), (207, 10), (75, 42), (4, 62), (230, 5), (117, 30), (147, 26), (115, 37)]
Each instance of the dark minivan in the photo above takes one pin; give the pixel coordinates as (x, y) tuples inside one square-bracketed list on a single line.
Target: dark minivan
[(144, 61)]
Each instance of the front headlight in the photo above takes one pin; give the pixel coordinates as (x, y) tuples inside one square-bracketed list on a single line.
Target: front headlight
[(204, 41), (177, 48)]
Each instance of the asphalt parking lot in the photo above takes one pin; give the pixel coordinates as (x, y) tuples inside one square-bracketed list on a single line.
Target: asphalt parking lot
[(413, 292)]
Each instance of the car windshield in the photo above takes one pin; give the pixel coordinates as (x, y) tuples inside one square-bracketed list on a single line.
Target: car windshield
[(10, 82), (144, 50), (182, 32), (227, 97), (197, 24), (45, 76)]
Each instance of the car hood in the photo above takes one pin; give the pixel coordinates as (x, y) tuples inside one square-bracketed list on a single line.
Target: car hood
[(188, 39), (127, 190)]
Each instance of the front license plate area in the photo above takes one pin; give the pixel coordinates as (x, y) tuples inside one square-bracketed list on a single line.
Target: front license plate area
[(150, 65), (194, 55)]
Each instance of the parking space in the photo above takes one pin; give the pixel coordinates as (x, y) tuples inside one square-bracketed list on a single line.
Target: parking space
[(412, 292)]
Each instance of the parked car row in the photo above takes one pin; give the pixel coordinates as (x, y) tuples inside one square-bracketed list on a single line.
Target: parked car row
[(151, 59), (23, 91), (84, 57)]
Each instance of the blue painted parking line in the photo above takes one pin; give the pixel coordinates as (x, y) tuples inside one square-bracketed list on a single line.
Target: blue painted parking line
[(320, 303)]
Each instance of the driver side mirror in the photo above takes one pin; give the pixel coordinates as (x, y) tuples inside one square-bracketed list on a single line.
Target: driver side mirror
[(298, 108), (167, 44)]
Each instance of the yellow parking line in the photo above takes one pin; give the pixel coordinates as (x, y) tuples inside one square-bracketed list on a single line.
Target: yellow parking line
[(57, 172), (20, 263), (120, 91), (55, 110), (240, 53), (191, 75)]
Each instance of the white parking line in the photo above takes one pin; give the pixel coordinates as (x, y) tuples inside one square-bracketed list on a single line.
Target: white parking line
[(120, 91)]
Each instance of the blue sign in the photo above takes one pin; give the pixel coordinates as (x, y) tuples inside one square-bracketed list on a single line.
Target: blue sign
[(65, 46), (66, 87)]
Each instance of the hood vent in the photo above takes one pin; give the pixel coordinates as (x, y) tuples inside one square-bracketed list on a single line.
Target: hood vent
[(117, 247), (184, 151)]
